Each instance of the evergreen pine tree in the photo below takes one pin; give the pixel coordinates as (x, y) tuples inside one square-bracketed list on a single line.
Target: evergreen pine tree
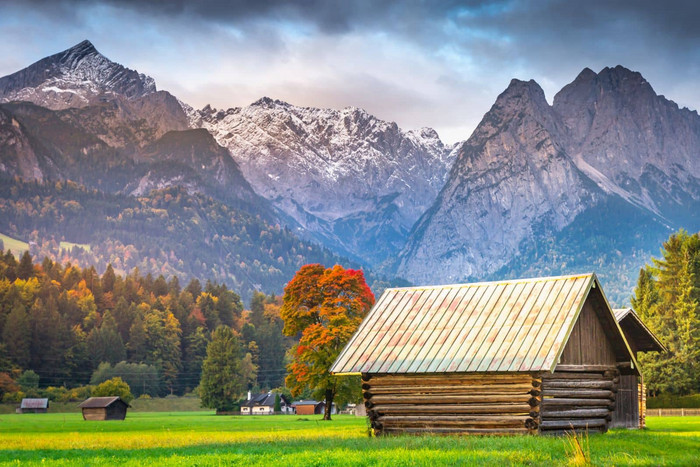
[(222, 383), (25, 269)]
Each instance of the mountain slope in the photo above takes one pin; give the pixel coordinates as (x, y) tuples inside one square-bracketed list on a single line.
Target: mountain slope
[(511, 177), (352, 181), (608, 148), (73, 78)]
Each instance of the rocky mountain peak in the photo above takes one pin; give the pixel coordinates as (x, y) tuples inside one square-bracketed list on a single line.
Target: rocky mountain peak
[(81, 49), (268, 102), (75, 77)]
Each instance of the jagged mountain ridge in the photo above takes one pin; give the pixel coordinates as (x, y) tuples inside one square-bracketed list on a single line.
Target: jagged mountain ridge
[(76, 77), (118, 135), (354, 182), (530, 170), (344, 178)]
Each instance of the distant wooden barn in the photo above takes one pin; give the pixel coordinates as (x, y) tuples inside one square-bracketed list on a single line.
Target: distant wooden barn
[(523, 356), (104, 408), (630, 404), (311, 407), (29, 405)]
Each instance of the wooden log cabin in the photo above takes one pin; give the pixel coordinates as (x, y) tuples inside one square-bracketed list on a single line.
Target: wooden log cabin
[(631, 401), (104, 408), (534, 356)]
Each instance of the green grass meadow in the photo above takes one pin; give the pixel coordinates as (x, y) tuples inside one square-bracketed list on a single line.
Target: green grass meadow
[(202, 438), (16, 246)]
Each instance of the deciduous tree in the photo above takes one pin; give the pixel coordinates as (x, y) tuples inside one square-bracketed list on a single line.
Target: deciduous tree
[(325, 307)]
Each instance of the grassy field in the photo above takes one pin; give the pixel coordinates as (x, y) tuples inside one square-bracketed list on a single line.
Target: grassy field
[(70, 245), (16, 246), (201, 438)]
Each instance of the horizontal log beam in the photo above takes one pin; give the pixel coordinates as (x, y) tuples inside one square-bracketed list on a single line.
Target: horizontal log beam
[(451, 424), (585, 368), (575, 413), (598, 429), (574, 423), (584, 384), (437, 419), (465, 389), (450, 380), (523, 409), (574, 375), (576, 402), (580, 393), (476, 431), (450, 398)]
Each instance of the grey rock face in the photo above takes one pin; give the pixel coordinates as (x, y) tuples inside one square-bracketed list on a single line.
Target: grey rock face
[(349, 179), (630, 140), (530, 168), (76, 77)]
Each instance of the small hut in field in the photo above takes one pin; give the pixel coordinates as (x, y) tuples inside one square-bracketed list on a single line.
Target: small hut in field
[(524, 356), (104, 408), (311, 407), (631, 401), (29, 405)]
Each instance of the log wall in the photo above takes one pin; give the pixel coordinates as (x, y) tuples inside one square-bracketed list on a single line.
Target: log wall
[(453, 403), (581, 397)]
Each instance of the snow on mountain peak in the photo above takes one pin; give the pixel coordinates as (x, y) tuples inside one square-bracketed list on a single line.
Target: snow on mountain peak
[(74, 78), (326, 167)]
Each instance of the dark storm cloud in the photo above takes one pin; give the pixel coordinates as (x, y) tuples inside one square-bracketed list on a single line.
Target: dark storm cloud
[(676, 19), (418, 62)]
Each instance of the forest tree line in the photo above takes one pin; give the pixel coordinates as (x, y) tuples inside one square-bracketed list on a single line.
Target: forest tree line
[(667, 298), (72, 326)]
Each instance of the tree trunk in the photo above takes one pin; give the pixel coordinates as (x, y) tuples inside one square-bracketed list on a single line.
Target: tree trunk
[(329, 404)]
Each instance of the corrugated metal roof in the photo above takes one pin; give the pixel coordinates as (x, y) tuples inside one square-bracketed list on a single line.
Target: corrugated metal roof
[(505, 326), (30, 403), (100, 402)]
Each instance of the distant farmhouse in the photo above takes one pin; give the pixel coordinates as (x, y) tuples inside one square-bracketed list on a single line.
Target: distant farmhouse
[(311, 407), (104, 408), (534, 356), (264, 404), (33, 406), (631, 401)]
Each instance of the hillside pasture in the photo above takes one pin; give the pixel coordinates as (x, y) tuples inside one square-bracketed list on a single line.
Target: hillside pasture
[(17, 247), (201, 438)]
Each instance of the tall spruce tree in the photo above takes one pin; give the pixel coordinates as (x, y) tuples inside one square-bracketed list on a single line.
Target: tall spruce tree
[(222, 382), (667, 298)]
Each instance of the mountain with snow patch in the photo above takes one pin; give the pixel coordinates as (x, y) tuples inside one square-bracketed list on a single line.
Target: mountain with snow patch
[(76, 77), (346, 178), (592, 182)]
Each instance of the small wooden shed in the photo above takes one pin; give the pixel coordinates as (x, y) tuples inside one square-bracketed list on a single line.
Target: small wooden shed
[(29, 405), (104, 408), (311, 407), (524, 356), (631, 402)]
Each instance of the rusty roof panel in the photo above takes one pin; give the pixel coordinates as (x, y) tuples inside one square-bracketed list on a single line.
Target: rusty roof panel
[(493, 326)]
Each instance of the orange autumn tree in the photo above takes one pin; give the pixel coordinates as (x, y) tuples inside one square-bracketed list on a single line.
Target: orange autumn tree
[(324, 306)]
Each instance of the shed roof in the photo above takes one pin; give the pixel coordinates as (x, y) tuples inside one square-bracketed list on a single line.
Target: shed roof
[(506, 326), (29, 403), (266, 399), (634, 329), (306, 402), (101, 402)]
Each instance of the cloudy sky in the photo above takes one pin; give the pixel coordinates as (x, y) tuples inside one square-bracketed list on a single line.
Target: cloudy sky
[(418, 63)]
